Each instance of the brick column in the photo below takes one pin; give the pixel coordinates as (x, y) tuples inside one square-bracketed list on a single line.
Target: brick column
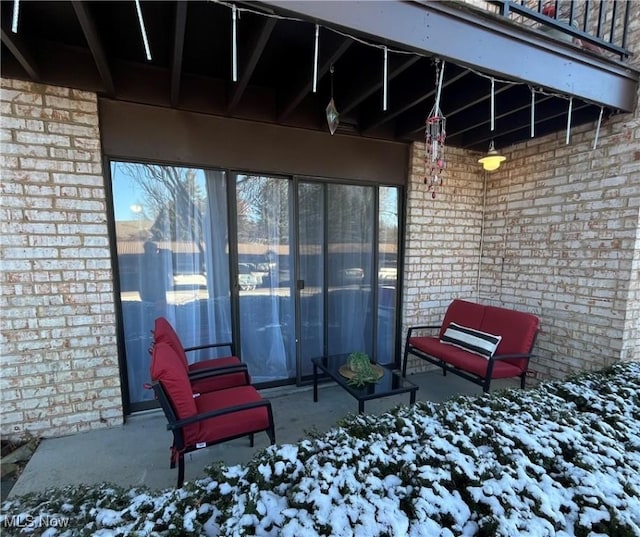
[(59, 355)]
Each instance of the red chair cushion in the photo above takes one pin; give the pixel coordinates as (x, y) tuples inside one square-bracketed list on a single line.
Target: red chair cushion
[(220, 382), (236, 423), (163, 332), (227, 361), (167, 368), (463, 359), (518, 330), (464, 313)]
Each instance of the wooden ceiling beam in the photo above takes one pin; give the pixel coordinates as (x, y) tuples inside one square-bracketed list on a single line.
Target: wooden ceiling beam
[(471, 98), (95, 45), (303, 91), (257, 48), (474, 38), (178, 49), (374, 82), (20, 52), (408, 103)]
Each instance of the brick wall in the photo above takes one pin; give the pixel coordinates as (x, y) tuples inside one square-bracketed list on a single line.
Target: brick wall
[(631, 338), (59, 355), (561, 239), (443, 237), (631, 167)]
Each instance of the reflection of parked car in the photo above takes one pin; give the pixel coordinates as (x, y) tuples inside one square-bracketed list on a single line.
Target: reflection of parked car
[(246, 279), (189, 281), (388, 274), (262, 272), (351, 275)]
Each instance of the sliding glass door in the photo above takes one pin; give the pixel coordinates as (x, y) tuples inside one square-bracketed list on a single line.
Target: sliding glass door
[(286, 268), (311, 283), (265, 276), (386, 252), (347, 252), (350, 231), (172, 251)]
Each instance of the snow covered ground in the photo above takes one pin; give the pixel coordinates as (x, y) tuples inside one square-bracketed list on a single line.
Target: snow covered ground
[(559, 460)]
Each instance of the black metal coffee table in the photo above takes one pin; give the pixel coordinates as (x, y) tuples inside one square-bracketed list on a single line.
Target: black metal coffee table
[(391, 383)]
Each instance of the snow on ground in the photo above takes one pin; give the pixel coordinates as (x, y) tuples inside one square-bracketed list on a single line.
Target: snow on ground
[(559, 460)]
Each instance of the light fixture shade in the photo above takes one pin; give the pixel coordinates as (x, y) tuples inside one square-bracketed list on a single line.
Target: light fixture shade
[(492, 160)]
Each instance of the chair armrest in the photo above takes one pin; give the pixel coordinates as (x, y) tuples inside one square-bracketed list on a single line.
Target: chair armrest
[(179, 424), (517, 355), (218, 371), (422, 327), (212, 346)]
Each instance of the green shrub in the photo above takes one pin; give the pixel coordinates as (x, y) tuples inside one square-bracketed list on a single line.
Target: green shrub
[(561, 459)]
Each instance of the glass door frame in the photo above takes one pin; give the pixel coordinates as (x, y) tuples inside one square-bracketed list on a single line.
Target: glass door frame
[(233, 259), (401, 221)]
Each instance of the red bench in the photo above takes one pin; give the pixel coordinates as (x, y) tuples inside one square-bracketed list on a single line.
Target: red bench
[(477, 342)]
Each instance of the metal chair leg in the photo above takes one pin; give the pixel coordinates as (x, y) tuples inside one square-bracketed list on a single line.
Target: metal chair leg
[(180, 471)]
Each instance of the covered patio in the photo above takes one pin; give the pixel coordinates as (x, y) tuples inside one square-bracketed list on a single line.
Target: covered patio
[(137, 454), (554, 231), (561, 458)]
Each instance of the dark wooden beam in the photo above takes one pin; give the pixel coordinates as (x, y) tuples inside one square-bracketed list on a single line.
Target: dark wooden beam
[(21, 53), (477, 39), (407, 103), (518, 119), (475, 94), (554, 121), (95, 45), (374, 82), (257, 48), (178, 48), (485, 122), (294, 100)]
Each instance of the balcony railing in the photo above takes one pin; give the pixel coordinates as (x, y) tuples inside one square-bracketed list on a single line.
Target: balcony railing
[(596, 25)]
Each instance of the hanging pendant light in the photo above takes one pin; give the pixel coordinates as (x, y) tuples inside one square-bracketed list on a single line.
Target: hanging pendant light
[(333, 117), (492, 160)]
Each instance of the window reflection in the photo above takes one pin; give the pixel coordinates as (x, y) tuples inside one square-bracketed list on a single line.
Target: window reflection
[(170, 262)]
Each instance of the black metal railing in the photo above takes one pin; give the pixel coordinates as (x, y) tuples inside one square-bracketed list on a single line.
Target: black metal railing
[(596, 25)]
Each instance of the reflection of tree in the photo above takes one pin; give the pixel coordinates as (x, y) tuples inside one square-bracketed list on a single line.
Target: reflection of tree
[(173, 198), (263, 207), (311, 211), (388, 215), (351, 213)]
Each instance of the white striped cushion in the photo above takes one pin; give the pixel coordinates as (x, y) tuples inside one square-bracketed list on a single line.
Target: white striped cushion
[(471, 340)]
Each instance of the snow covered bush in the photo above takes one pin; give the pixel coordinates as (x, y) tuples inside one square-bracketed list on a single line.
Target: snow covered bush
[(562, 459)]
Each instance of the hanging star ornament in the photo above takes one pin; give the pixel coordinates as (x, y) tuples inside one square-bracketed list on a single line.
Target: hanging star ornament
[(333, 118)]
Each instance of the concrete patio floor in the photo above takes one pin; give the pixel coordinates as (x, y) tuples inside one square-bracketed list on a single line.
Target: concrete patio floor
[(137, 453)]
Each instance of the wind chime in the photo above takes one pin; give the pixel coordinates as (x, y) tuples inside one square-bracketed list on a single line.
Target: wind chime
[(435, 135)]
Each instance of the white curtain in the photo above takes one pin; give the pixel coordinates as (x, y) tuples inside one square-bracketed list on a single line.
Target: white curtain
[(173, 263), (266, 313)]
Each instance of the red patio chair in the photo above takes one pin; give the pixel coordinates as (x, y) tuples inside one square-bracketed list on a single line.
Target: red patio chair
[(204, 419), (207, 375)]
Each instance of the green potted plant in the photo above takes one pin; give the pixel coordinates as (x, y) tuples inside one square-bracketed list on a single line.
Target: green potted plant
[(363, 371)]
